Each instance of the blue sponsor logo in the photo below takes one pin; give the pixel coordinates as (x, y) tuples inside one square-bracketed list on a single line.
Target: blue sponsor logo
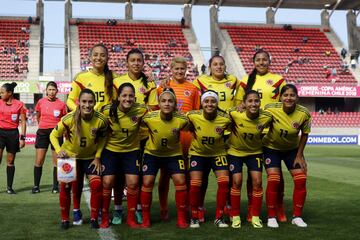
[(333, 139)]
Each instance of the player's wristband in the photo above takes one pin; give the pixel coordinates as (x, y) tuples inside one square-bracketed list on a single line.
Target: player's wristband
[(22, 137)]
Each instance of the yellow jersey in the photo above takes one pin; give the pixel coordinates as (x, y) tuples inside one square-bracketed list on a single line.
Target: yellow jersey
[(96, 83), (268, 86), (144, 95), (208, 138), (245, 138), (225, 88), (284, 130), (124, 134), (164, 136), (91, 141)]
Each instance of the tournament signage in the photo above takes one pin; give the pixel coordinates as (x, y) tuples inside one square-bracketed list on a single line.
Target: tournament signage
[(38, 87), (328, 91), (333, 139)]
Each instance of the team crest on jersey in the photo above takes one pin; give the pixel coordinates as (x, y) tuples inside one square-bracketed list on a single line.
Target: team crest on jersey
[(56, 113), (267, 161), (295, 125), (259, 127), (193, 163), (14, 117), (228, 84), (231, 167), (219, 130), (269, 82), (134, 119), (145, 168), (175, 132), (142, 90), (187, 93), (93, 131)]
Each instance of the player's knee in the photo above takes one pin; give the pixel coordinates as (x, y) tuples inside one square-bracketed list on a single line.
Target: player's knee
[(257, 182), (107, 183), (236, 183)]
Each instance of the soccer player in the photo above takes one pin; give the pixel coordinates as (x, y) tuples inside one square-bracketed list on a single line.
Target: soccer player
[(268, 85), (84, 131), (122, 150), (225, 85), (49, 111), (282, 142), (12, 112), (187, 98), (163, 150), (145, 93), (100, 79), (246, 147), (207, 150)]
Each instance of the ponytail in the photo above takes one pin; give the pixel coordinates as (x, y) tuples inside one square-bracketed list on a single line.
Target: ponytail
[(9, 87), (109, 81), (77, 121)]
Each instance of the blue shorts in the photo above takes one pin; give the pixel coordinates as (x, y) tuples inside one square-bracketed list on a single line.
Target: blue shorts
[(253, 163), (152, 164), (205, 164), (272, 158), (114, 163), (83, 167)]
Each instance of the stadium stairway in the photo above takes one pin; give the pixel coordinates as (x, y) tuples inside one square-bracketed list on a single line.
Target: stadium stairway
[(194, 47), (34, 53)]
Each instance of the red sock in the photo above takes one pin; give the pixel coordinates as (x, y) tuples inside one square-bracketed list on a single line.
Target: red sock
[(146, 200), (96, 196), (65, 200), (272, 193), (106, 194), (132, 200), (163, 189), (221, 197), (195, 195), (280, 197), (299, 194), (257, 198), (76, 188), (235, 198), (180, 198)]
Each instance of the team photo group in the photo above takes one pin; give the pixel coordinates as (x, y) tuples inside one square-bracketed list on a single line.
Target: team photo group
[(120, 130)]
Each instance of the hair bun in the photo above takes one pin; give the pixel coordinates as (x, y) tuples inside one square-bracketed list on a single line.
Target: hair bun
[(14, 84)]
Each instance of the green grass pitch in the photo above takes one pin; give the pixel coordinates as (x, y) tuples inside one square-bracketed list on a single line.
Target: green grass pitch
[(331, 209)]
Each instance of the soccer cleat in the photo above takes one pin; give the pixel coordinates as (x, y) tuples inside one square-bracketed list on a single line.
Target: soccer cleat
[(9, 190), (236, 222), (298, 221), (77, 218), (35, 190), (117, 217), (138, 216), (94, 224), (164, 215), (194, 223), (105, 220), (280, 212), (182, 224), (201, 215), (256, 222), (220, 223), (132, 224), (55, 190), (64, 225), (272, 223)]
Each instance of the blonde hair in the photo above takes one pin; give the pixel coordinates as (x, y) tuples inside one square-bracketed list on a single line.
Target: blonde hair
[(176, 60)]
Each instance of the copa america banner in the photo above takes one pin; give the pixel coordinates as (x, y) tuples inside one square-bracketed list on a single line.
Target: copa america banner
[(328, 91), (66, 170), (333, 139)]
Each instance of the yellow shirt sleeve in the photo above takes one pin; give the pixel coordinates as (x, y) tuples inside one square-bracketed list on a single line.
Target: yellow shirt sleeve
[(56, 133)]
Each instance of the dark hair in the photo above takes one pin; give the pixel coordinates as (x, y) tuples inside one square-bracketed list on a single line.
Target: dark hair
[(217, 56), (77, 115), (107, 72), (9, 87), (250, 92), (144, 78), (52, 84), (115, 103), (289, 86), (252, 75)]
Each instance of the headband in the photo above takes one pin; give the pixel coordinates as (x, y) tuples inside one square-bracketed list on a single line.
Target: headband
[(209, 94), (167, 91)]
